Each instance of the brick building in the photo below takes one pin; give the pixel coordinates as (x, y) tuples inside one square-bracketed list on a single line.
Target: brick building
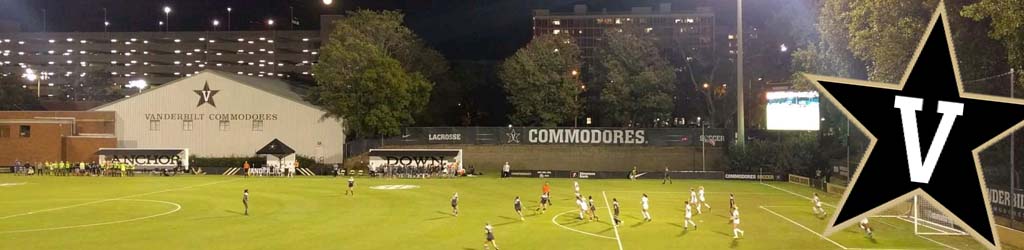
[(39, 136)]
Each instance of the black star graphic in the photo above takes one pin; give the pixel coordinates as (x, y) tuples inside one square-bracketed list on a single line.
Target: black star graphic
[(883, 178), (206, 95)]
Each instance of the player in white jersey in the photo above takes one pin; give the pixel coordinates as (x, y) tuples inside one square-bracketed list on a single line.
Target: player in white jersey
[(576, 186), (584, 210), (700, 197), (688, 219), (645, 205), (489, 231), (867, 228), (736, 231), (693, 199), (818, 210)]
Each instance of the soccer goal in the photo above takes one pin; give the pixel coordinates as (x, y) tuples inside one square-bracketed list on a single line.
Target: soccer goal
[(925, 216)]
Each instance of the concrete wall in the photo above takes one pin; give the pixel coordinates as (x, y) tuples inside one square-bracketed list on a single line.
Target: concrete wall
[(490, 158)]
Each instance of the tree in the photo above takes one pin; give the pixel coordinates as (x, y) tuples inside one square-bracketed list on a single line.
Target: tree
[(1007, 26), (14, 97), (885, 33), (637, 81), (371, 74), (542, 82), (96, 85)]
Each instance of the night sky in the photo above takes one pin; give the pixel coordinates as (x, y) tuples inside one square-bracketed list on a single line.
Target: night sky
[(460, 29)]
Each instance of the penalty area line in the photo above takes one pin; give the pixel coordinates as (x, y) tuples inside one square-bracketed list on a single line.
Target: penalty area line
[(615, 225), (805, 228)]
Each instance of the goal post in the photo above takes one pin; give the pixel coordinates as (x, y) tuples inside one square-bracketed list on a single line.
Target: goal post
[(929, 220), (799, 180)]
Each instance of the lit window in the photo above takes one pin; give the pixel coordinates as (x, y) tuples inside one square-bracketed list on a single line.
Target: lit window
[(25, 131), (186, 125), (556, 32), (225, 125), (257, 125), (154, 125), (556, 22)]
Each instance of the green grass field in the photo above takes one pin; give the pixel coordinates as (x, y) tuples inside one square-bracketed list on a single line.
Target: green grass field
[(192, 212)]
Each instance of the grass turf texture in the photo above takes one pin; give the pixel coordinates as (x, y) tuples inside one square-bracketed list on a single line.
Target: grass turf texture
[(314, 213)]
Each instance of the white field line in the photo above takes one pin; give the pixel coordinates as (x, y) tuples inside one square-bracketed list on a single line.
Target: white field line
[(802, 226), (687, 192), (926, 238), (830, 205), (615, 226), (799, 195), (110, 199), (573, 229), (176, 208)]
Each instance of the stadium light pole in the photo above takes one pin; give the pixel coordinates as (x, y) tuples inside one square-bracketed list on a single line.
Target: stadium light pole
[(229, 18), (216, 23), (167, 18), (1013, 169), (740, 131), (105, 22)]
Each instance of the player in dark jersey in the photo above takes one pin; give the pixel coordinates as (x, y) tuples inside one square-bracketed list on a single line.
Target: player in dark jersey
[(732, 204), (455, 204), (519, 208), (593, 209), (615, 209), (490, 236), (351, 185), (544, 200), (245, 200)]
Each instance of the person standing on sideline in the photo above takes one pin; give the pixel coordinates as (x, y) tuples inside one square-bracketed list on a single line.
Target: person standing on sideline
[(546, 189), (506, 171), (667, 177), (245, 169), (245, 201), (632, 174)]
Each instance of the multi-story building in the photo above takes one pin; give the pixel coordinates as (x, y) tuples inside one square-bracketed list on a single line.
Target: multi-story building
[(156, 57), (693, 29)]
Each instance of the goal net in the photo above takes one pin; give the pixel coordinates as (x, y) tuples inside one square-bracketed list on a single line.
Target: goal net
[(925, 216)]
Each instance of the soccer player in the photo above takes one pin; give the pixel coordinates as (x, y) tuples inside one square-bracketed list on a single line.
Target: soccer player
[(820, 212), (703, 202), (593, 209), (351, 185), (688, 219), (867, 228), (645, 205), (732, 201), (736, 231), (455, 204), (667, 177), (519, 208), (245, 201), (693, 199), (615, 209), (546, 189), (544, 199), (490, 236), (583, 207), (576, 186)]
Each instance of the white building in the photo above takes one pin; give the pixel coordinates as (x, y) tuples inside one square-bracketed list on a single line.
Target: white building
[(220, 114)]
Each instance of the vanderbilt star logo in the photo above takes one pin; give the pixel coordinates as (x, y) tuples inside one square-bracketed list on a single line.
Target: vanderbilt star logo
[(206, 95), (513, 136), (929, 105)]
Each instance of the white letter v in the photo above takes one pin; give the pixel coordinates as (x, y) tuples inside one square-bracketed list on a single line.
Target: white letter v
[(921, 172)]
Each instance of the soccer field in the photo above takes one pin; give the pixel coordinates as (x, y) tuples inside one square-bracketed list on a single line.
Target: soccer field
[(191, 212)]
